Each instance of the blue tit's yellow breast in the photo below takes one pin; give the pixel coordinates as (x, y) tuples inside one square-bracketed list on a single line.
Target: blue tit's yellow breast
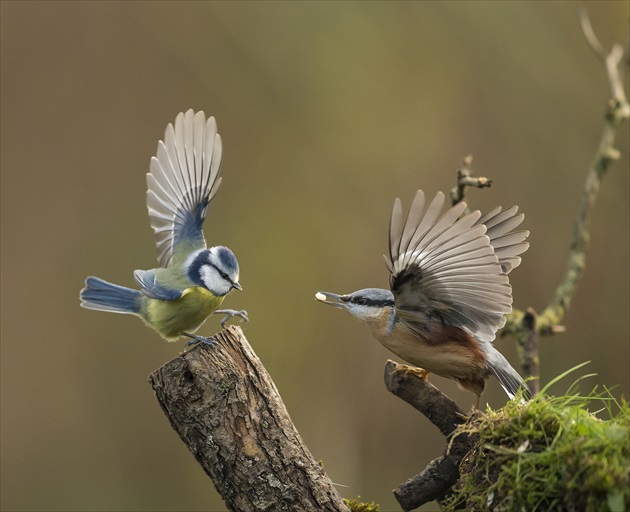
[(186, 314)]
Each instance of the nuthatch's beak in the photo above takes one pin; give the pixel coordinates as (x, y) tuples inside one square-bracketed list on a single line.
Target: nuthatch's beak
[(237, 286), (339, 301)]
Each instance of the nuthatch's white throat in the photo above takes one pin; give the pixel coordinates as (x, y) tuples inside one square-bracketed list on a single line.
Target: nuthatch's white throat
[(192, 280), (449, 292)]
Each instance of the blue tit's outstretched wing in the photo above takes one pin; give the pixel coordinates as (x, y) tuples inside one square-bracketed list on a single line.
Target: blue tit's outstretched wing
[(183, 179), (447, 267)]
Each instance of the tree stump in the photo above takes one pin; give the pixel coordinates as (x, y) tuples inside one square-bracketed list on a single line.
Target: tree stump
[(227, 410)]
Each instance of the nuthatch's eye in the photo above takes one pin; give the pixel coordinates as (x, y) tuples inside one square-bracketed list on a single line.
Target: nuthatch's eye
[(361, 301)]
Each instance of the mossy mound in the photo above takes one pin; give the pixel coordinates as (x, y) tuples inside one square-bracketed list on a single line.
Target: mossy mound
[(358, 506), (549, 454)]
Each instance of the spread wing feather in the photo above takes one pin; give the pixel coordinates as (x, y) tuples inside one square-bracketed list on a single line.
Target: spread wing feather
[(183, 179), (424, 223), (395, 232), (453, 267), (465, 243), (507, 244)]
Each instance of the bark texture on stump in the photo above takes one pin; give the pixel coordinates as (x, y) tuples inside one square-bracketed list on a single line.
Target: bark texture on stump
[(227, 410)]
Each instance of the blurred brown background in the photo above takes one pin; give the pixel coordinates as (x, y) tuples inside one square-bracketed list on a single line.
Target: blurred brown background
[(328, 111)]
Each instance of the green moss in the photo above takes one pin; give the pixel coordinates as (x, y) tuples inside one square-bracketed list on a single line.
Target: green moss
[(225, 386), (549, 454), (358, 506)]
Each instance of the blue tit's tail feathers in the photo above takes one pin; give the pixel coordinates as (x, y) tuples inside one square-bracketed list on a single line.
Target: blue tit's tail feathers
[(507, 376), (103, 296)]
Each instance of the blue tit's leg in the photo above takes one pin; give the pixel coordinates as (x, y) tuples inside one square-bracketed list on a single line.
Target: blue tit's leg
[(229, 313), (210, 342)]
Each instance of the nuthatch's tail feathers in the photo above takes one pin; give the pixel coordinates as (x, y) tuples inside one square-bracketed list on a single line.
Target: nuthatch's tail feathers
[(507, 376), (103, 296)]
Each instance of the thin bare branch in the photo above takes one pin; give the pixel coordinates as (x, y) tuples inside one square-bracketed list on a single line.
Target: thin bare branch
[(589, 35), (527, 325), (618, 111), (465, 179), (613, 61)]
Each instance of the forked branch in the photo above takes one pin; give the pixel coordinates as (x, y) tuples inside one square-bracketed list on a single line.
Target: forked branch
[(527, 325), (466, 179), (442, 473)]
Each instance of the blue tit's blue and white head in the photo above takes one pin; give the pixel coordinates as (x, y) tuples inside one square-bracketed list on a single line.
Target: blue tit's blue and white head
[(216, 269)]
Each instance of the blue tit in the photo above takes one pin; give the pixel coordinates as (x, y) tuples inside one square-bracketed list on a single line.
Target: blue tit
[(449, 292), (192, 280)]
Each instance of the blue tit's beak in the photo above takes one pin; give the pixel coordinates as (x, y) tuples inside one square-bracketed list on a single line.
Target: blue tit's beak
[(339, 301), (237, 286)]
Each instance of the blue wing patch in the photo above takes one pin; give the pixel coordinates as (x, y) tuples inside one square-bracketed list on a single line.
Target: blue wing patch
[(149, 286), (183, 179), (188, 224)]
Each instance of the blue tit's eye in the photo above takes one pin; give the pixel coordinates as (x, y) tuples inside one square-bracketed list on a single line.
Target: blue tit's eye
[(224, 275)]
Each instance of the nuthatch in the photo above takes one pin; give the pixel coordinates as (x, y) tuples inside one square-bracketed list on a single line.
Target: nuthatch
[(449, 292), (191, 282)]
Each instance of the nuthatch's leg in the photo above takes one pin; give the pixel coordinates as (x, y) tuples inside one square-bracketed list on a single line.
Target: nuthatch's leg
[(229, 313), (420, 372), (210, 342)]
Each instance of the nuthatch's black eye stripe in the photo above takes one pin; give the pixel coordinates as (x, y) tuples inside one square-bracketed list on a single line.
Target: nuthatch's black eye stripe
[(365, 301)]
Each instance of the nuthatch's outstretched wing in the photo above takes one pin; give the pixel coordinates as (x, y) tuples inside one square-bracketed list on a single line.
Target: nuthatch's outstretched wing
[(453, 268), (507, 244), (183, 179)]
